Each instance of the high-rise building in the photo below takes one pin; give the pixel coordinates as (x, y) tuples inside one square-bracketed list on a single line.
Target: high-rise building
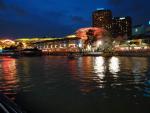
[(102, 18), (121, 26), (117, 26)]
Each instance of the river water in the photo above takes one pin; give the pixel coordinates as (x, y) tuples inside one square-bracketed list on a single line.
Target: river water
[(55, 84)]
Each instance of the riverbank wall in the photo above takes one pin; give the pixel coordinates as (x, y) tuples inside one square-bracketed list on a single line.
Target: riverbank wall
[(116, 53)]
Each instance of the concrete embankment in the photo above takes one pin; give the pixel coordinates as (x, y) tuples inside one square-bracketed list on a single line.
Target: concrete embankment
[(132, 53), (116, 53), (78, 53)]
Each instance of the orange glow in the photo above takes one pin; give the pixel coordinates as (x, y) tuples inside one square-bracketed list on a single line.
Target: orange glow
[(8, 41), (98, 32), (9, 69)]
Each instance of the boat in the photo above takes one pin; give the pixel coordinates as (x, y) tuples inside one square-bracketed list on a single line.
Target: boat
[(8, 106), (7, 53), (30, 52), (72, 55)]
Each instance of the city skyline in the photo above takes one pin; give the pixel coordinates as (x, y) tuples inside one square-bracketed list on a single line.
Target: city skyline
[(39, 18)]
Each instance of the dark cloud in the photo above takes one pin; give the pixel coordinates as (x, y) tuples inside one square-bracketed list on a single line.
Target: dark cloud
[(2, 5), (79, 20), (53, 17), (56, 14), (137, 9), (115, 2), (38, 28), (139, 6), (19, 11)]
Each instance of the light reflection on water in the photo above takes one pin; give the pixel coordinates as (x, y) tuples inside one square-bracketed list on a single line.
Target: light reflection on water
[(99, 67), (114, 65), (9, 80), (94, 81)]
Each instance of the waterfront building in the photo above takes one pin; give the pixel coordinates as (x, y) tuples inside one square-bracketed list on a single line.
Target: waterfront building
[(60, 45), (6, 43), (94, 38), (102, 18), (121, 26)]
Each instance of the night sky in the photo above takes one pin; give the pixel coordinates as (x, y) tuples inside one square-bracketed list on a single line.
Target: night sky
[(57, 18)]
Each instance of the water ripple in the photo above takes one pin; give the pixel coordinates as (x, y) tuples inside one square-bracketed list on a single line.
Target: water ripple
[(95, 81)]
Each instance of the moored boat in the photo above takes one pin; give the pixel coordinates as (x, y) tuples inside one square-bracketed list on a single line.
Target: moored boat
[(72, 55), (31, 52)]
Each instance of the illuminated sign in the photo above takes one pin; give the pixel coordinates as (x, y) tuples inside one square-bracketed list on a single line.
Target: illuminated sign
[(100, 9), (122, 18)]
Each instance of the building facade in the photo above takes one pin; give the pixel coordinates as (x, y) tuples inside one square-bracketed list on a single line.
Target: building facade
[(60, 45), (121, 26), (102, 18)]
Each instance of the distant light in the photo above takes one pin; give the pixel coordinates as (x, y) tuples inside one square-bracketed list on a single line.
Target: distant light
[(136, 30), (80, 45), (100, 9), (114, 65), (71, 36), (122, 18), (1, 49), (149, 22), (99, 43)]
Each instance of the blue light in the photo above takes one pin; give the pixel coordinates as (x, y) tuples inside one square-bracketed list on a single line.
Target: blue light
[(100, 9), (149, 22)]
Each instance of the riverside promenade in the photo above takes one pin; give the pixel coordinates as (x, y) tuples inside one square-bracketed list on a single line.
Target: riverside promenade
[(137, 53)]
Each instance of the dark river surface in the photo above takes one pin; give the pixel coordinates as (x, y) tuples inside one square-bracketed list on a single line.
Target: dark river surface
[(55, 84)]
